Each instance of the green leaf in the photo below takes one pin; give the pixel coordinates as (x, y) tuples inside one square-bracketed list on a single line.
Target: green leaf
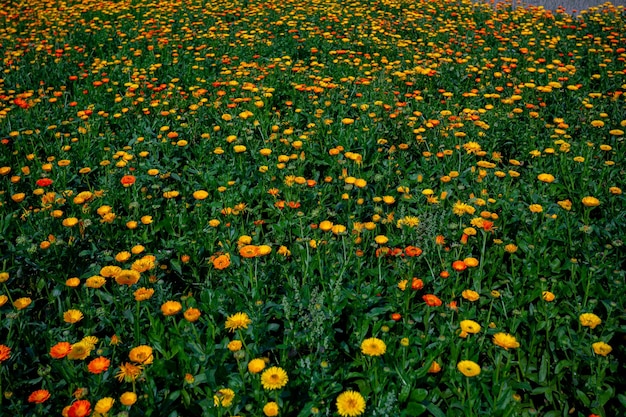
[(414, 409), (582, 397), (418, 395), (543, 369), (434, 410), (175, 264)]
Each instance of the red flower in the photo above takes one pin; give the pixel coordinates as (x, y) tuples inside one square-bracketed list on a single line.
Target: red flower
[(128, 180), (432, 300), (417, 284), (396, 317), (44, 182), (80, 408)]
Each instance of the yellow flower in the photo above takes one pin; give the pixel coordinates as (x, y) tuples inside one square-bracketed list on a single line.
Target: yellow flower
[(4, 277), (373, 347), (505, 341), (128, 398), (381, 239), (171, 308), (70, 222), (590, 201), (270, 409), (237, 321), (470, 295), (350, 404), (469, 326), (589, 320), (72, 316), (326, 225), (122, 256), (548, 178), (468, 368), (192, 314), (141, 354), (601, 348), (274, 378), (95, 281), (547, 296), (80, 350), (224, 397), (128, 372), (565, 204), (104, 405), (127, 277), (256, 365), (234, 345), (535, 208), (22, 303)]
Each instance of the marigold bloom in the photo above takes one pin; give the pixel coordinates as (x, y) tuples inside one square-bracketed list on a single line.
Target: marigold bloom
[(80, 351), (235, 345), (143, 294), (80, 408), (459, 266), (249, 251), (601, 348), (127, 277), (192, 314), (547, 296), (431, 300), (60, 350), (434, 368), (535, 208), (104, 405), (589, 320), (22, 303), (590, 201), (128, 398), (110, 271), (256, 365), (129, 372), (5, 353), (505, 341), (270, 409), (470, 295), (373, 347), (72, 316), (98, 365), (200, 195), (468, 368), (547, 178), (4, 277), (128, 180), (170, 308), (470, 327), (381, 239), (224, 397), (412, 251), (237, 321), (95, 281), (565, 204), (141, 354), (274, 378), (350, 404), (38, 397), (221, 262)]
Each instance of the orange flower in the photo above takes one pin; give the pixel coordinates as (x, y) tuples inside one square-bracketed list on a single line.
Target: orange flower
[(417, 284), (432, 300), (60, 350), (459, 266), (80, 408), (170, 308), (5, 353), (249, 251), (221, 262), (192, 314), (128, 180), (412, 251), (98, 365), (39, 396)]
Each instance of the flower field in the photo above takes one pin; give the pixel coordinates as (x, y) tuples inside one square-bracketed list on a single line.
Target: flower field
[(325, 208)]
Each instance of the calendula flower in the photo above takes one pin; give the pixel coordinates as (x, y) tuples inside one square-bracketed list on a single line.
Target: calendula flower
[(373, 347), (221, 262), (256, 365), (80, 351), (224, 397), (170, 308), (234, 345), (128, 398), (601, 348), (129, 372), (192, 314), (470, 295), (274, 378), (590, 201), (104, 405), (468, 368), (432, 300), (22, 303), (5, 353), (38, 397), (548, 178), (141, 354), (589, 320), (80, 408), (127, 277), (143, 294), (98, 365), (350, 404), (60, 350), (237, 321), (505, 341), (547, 296), (469, 327), (72, 316)]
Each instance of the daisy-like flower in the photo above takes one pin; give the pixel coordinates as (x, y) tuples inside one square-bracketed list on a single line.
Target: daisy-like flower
[(505, 341), (468, 368), (170, 308), (5, 353), (373, 347), (72, 316), (129, 372), (39, 396), (224, 397), (274, 378), (350, 404), (98, 365), (141, 354), (601, 348), (590, 320), (237, 321)]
